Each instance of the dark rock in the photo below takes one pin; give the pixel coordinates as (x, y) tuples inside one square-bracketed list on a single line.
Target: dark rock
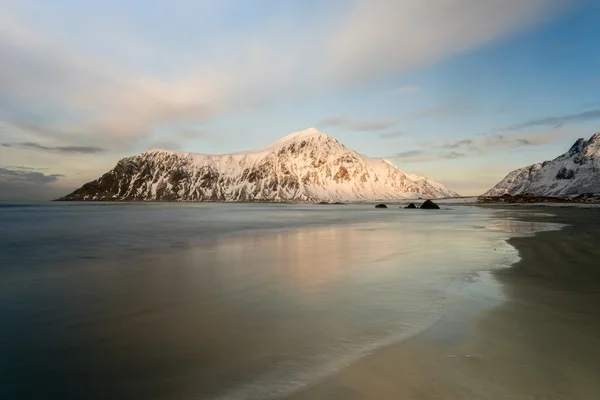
[(380, 206), (323, 202), (430, 205), (411, 205), (565, 173)]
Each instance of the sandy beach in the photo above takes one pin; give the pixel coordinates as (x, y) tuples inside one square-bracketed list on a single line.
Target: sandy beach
[(526, 332)]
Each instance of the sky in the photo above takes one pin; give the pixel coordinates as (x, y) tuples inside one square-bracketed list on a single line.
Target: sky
[(461, 91)]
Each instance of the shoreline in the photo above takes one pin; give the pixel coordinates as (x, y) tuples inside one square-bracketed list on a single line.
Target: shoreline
[(461, 201), (540, 341)]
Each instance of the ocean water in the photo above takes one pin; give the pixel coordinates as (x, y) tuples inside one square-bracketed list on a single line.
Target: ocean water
[(224, 301)]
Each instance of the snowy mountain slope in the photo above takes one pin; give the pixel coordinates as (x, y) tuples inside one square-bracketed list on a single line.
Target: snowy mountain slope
[(304, 166), (575, 172)]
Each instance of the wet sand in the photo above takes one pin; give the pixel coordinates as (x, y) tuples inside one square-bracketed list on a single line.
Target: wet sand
[(531, 331)]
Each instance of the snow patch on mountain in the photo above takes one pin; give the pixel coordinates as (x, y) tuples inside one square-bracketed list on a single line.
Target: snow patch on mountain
[(304, 166), (575, 172)]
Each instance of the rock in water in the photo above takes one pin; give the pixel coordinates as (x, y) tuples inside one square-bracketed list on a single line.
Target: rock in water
[(380, 206), (430, 205), (411, 205)]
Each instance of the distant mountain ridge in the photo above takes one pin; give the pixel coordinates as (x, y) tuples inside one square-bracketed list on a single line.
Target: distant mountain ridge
[(575, 172), (304, 166)]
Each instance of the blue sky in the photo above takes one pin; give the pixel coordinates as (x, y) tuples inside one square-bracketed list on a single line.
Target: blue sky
[(462, 91)]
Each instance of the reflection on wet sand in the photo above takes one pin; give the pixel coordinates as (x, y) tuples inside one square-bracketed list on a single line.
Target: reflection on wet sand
[(523, 223), (318, 256), (538, 341)]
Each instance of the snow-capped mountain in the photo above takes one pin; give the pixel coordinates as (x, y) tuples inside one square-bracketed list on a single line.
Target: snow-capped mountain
[(575, 172), (304, 166)]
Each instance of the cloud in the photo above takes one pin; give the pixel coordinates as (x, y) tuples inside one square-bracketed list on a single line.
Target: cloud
[(17, 176), (525, 142), (559, 121), (390, 135), (408, 154), (452, 155), (480, 146), (420, 156), (333, 121), (21, 183), (413, 156), (59, 149), (345, 123), (20, 167), (514, 141), (377, 37), (88, 94), (489, 142), (91, 98), (460, 143)]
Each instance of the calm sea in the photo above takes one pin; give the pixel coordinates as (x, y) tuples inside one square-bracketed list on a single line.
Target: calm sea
[(223, 301)]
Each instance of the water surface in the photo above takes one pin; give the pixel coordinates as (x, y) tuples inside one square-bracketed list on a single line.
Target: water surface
[(194, 301)]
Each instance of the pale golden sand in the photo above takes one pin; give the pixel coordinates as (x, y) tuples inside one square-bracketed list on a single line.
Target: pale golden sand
[(542, 341)]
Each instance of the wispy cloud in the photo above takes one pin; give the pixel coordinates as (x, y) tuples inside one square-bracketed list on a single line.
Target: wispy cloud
[(424, 156), (514, 141), (414, 156), (457, 144), (376, 36), (59, 149), (485, 143), (114, 105), (559, 121), (481, 145), (342, 122), (452, 155), (21, 167), (408, 154), (333, 121)]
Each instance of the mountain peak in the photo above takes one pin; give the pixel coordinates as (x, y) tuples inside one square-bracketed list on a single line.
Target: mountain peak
[(592, 146), (577, 146), (307, 134), (304, 134)]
